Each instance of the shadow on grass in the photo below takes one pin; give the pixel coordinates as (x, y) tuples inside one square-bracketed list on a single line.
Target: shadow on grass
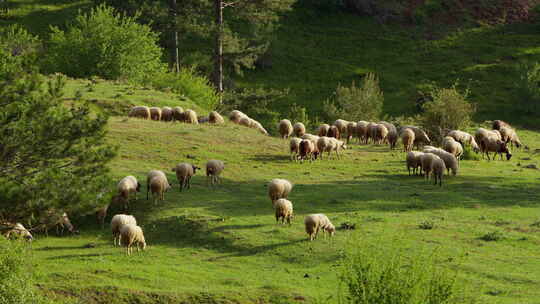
[(75, 256)]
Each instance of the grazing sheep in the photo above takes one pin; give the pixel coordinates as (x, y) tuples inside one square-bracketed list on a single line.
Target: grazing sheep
[(495, 133), (190, 117), (215, 118), (257, 125), (498, 124), (392, 135), (381, 132), (464, 138), (407, 138), (64, 223), (334, 132), (492, 144), (279, 188), (101, 214), (351, 130), (480, 135), (323, 130), (125, 187), (315, 222), (155, 113), (427, 159), (453, 147), (362, 131), (308, 150), (414, 161), (166, 114), (184, 172), (132, 235), (420, 136), (449, 159), (246, 122), (370, 134), (235, 116), (337, 145), (329, 144), (285, 128), (294, 147), (299, 129), (437, 169), (509, 135), (313, 138), (117, 222), (18, 231), (213, 170), (284, 210), (178, 114), (140, 112), (159, 185), (341, 125)]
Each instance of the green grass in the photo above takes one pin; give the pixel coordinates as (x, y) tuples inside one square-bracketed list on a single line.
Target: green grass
[(224, 243)]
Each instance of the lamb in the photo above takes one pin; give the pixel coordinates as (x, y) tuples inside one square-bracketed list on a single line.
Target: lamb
[(166, 114), (178, 114), (334, 132), (392, 135), (361, 131), (351, 130), (157, 183), (101, 214), (235, 116), (464, 138), (132, 235), (213, 170), (307, 150), (190, 117), (381, 132), (453, 147), (184, 172), (285, 128), (117, 222), (315, 222), (294, 147), (140, 112), (509, 135), (155, 113), (125, 188), (18, 231), (437, 169), (341, 125), (215, 118), (407, 138), (299, 129), (283, 210), (279, 188), (427, 159), (414, 161), (323, 130), (492, 144), (498, 124)]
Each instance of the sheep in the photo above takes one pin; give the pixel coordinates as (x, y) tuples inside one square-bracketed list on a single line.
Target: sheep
[(427, 159), (299, 129), (307, 150), (166, 114), (498, 124), (279, 188), (334, 132), (351, 130), (407, 138), (313, 138), (101, 214), (492, 144), (361, 131), (18, 231), (315, 222), (178, 114), (323, 130), (283, 210), (257, 125), (495, 133), (420, 136), (117, 222), (480, 135), (370, 134), (132, 235), (294, 147), (190, 116), (341, 125), (509, 135), (381, 132), (155, 113), (158, 185), (140, 112), (449, 159), (437, 170), (235, 116), (452, 146), (125, 187), (63, 223), (337, 145), (246, 122), (414, 161), (184, 172), (213, 170), (329, 144), (215, 118), (392, 135), (464, 138), (285, 128)]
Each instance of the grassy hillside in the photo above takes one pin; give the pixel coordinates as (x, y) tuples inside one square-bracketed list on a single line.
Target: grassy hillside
[(223, 244)]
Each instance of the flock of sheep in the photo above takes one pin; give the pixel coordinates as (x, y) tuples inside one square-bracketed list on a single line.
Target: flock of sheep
[(431, 161)]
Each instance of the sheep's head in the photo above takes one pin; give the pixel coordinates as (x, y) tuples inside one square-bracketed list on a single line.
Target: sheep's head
[(331, 229), (138, 189), (195, 168)]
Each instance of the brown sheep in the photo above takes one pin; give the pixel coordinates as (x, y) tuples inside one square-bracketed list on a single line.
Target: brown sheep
[(323, 130), (498, 124), (362, 131), (334, 132), (307, 150), (155, 113), (166, 114), (178, 114), (140, 112), (351, 130)]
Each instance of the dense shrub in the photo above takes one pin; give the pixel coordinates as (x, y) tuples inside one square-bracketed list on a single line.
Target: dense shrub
[(106, 44), (299, 114), (528, 86), (18, 49), (449, 109), (353, 103)]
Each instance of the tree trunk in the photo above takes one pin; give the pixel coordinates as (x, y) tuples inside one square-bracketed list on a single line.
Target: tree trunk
[(218, 60), (176, 59)]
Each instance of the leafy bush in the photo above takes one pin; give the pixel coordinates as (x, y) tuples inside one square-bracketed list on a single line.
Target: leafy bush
[(493, 236), (16, 276), (299, 114), (528, 86), (426, 225), (354, 103), (469, 154), (378, 274), (18, 48), (107, 44), (189, 84), (448, 110)]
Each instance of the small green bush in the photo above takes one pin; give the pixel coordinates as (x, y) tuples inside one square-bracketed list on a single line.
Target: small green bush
[(493, 236), (18, 49), (469, 154), (353, 103), (528, 87), (426, 225), (106, 44), (299, 114)]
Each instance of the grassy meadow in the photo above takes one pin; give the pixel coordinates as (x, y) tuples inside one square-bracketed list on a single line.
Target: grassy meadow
[(222, 245)]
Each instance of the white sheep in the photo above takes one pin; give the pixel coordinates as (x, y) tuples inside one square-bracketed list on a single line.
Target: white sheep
[(449, 159), (495, 145), (453, 147), (299, 129), (414, 161), (158, 184), (392, 135), (126, 186), (18, 231), (464, 138), (437, 170), (140, 112), (178, 113), (279, 188), (315, 222), (132, 235), (407, 138), (341, 125), (371, 129), (184, 172), (214, 168), (285, 128), (283, 210), (509, 135), (235, 116), (308, 150), (294, 147), (117, 222), (498, 124), (427, 159), (381, 132), (420, 136), (257, 125), (190, 117), (215, 118)]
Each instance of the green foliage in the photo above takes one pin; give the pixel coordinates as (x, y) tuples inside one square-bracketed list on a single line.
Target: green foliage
[(528, 86), (382, 274), (299, 114), (449, 109), (18, 49), (469, 154), (106, 44), (493, 236), (426, 225), (16, 274), (187, 83), (52, 156), (354, 103)]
